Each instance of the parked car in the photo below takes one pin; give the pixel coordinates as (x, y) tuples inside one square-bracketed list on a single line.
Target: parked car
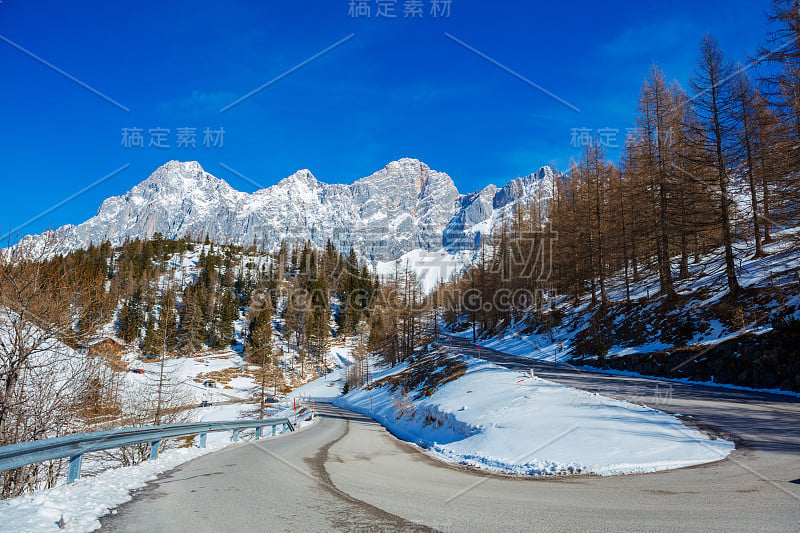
[(205, 403), (136, 370)]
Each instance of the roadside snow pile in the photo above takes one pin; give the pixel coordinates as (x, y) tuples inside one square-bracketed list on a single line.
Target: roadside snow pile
[(500, 420), (79, 506)]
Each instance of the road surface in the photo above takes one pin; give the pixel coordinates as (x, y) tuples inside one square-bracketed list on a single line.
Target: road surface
[(348, 473)]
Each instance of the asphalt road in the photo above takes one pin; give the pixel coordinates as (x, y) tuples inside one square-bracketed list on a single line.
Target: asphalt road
[(348, 473)]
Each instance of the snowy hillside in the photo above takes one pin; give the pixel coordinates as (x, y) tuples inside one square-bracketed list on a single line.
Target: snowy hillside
[(702, 336)]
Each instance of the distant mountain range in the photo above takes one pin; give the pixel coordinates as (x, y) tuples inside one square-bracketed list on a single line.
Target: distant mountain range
[(404, 207)]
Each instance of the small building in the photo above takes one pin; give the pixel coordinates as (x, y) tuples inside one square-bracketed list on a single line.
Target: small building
[(210, 383)]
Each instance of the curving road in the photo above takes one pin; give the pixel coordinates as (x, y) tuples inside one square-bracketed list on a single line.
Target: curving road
[(348, 473)]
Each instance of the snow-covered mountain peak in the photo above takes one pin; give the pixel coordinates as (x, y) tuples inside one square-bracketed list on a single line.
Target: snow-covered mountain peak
[(176, 180), (176, 173), (304, 177), (536, 186), (403, 207), (407, 173)]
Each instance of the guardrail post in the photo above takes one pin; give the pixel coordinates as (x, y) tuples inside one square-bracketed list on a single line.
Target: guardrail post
[(235, 435), (154, 449), (274, 429), (258, 432), (203, 437), (74, 471)]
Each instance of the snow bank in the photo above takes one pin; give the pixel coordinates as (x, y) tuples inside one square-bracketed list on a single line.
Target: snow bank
[(82, 503), (500, 420)]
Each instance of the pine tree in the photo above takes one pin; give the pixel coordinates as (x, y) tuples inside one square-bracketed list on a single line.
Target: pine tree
[(353, 291), (658, 160), (783, 50), (192, 330), (130, 318), (150, 346), (228, 313), (259, 347), (293, 316), (168, 322), (317, 330), (714, 105), (747, 152), (771, 161)]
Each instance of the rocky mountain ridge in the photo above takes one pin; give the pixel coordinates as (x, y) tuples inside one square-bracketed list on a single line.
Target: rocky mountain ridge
[(403, 207)]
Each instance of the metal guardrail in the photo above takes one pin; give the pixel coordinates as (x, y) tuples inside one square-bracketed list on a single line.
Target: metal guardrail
[(74, 446)]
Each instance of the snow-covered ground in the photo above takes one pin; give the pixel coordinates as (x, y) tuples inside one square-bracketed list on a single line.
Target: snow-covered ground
[(501, 420), (105, 486), (81, 504)]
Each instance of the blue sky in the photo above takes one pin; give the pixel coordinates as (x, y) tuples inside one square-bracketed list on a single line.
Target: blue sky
[(397, 88)]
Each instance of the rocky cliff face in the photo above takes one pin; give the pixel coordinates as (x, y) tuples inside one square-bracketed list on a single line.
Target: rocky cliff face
[(403, 207)]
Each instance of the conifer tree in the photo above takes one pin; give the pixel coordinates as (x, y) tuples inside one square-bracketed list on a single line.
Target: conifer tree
[(714, 104), (259, 347)]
